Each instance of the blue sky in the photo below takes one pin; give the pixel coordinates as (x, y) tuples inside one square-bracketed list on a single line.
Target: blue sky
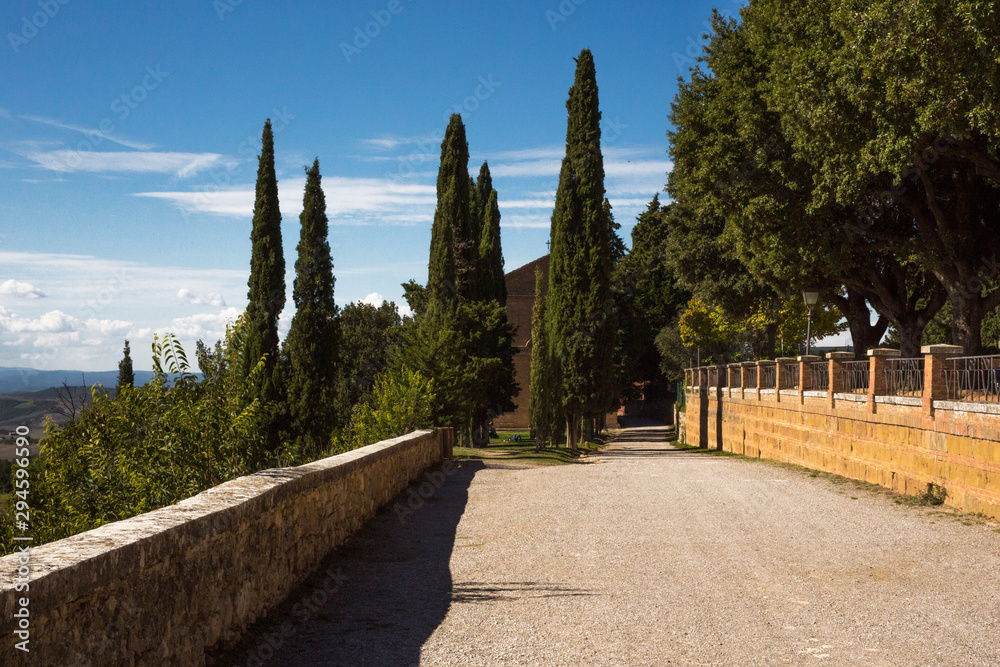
[(129, 134)]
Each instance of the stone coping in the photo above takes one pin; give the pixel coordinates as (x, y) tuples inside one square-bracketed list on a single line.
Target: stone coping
[(857, 398), (815, 393), (914, 401), (190, 516), (962, 406)]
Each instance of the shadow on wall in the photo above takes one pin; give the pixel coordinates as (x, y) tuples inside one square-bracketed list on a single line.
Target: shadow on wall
[(378, 597)]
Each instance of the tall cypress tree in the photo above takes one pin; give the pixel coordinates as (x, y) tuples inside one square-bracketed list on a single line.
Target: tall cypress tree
[(451, 251), (579, 309), (266, 294), (126, 377), (544, 404), (312, 344), (490, 283)]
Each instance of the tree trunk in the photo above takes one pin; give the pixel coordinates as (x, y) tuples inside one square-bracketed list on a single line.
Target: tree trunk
[(967, 324), (572, 428), (910, 333), (864, 334)]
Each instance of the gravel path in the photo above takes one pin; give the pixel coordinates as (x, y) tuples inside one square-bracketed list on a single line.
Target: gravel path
[(648, 556)]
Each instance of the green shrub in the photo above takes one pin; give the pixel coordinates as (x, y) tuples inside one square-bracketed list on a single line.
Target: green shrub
[(401, 401), (150, 446)]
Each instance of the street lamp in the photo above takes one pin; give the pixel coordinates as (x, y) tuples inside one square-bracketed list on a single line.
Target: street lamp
[(810, 295)]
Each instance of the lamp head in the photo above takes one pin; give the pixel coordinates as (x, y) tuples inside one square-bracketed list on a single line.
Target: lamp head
[(810, 295)]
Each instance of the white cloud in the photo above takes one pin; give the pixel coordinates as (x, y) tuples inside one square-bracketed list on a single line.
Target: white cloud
[(22, 290), (181, 165), (374, 299), (210, 299), (206, 326)]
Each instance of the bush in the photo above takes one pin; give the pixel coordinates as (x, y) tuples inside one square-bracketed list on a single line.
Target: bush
[(150, 446), (401, 401)]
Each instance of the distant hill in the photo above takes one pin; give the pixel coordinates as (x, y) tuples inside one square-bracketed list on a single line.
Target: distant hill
[(28, 379)]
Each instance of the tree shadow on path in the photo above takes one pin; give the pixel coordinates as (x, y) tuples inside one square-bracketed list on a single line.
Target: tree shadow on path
[(379, 596)]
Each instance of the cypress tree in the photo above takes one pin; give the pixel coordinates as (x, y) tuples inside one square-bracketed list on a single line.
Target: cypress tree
[(312, 345), (491, 283), (544, 405), (579, 308), (266, 294), (126, 377), (451, 259)]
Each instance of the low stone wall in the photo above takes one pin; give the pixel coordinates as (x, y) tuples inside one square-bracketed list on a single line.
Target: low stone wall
[(897, 444), (162, 587)]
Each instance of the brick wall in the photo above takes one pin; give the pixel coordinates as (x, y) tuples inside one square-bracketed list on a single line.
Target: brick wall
[(896, 445)]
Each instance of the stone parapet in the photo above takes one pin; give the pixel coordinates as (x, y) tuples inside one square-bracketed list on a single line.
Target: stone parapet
[(163, 587)]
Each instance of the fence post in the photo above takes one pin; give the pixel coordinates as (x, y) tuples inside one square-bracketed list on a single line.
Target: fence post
[(836, 372), (876, 373), (760, 374), (935, 361), (719, 368), (805, 375), (744, 372), (779, 373), (446, 436)]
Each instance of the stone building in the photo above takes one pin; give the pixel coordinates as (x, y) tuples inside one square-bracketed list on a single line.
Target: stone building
[(520, 302)]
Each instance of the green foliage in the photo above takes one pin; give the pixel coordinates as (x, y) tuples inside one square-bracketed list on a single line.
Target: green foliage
[(648, 296), (266, 294), (580, 310), (467, 351), (151, 446), (401, 401), (312, 344), (126, 377), (367, 339), (451, 250), (492, 284), (544, 403)]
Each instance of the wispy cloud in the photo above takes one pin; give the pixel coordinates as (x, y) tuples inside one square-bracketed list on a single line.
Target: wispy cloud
[(349, 200), (89, 132), (181, 165)]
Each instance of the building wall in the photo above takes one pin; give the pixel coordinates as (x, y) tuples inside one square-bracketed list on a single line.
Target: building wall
[(520, 302), (957, 448), (162, 587)]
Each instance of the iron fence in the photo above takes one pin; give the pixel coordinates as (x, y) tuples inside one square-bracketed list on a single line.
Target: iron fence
[(713, 377), (819, 372), (768, 374), (973, 379), (789, 376), (855, 376), (750, 377), (904, 377)]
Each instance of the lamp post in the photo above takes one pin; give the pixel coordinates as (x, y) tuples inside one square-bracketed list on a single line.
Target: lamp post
[(810, 295)]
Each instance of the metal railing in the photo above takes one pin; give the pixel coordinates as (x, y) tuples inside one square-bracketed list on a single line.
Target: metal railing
[(973, 379), (789, 376), (855, 376), (904, 377), (768, 374), (819, 374), (750, 377), (713, 377)]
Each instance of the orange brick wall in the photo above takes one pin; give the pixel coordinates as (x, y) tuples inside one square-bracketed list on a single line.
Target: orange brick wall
[(897, 447)]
